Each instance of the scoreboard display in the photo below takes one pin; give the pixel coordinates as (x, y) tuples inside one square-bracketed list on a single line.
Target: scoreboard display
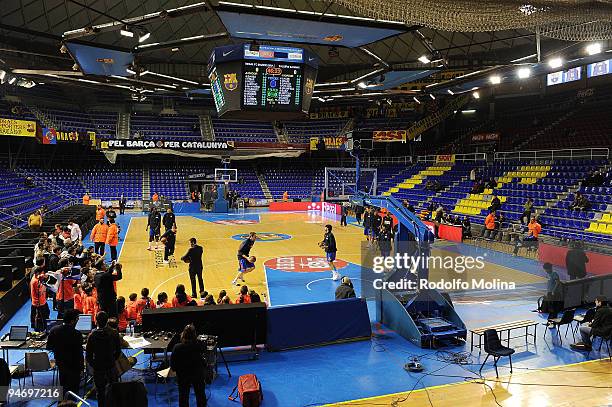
[(264, 83)]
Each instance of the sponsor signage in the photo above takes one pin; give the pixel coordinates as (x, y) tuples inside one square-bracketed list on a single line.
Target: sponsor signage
[(445, 158), (52, 136), (331, 143), (165, 145), (386, 136), (485, 137), (18, 128)]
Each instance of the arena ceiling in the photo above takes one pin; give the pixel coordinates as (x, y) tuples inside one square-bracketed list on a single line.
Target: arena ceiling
[(183, 33)]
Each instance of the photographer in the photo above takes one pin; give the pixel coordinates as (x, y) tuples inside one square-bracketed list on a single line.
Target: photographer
[(38, 293), (189, 365)]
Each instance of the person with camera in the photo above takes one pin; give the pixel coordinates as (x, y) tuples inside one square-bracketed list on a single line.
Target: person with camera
[(66, 343), (188, 363)]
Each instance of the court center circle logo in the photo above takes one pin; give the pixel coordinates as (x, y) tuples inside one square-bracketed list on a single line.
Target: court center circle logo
[(264, 236)]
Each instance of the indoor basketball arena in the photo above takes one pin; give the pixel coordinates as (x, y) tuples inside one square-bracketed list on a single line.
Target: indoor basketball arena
[(301, 203)]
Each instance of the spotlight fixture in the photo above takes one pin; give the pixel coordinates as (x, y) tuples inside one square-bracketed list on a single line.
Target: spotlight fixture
[(593, 49), (12, 80), (424, 59), (130, 71), (362, 85), (450, 92), (495, 79), (432, 96), (63, 49), (476, 95), (555, 63), (144, 37), (416, 100), (2, 74), (389, 102), (75, 67), (175, 49), (524, 73), (126, 32)]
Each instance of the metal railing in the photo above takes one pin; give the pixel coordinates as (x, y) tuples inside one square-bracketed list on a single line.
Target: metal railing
[(565, 154), (458, 157), (374, 161)]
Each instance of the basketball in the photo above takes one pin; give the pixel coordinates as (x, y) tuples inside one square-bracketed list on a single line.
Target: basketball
[(163, 240), (252, 259)]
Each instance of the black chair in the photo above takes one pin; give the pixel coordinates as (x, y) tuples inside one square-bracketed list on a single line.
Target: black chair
[(607, 340), (583, 319), (566, 319), (493, 346)]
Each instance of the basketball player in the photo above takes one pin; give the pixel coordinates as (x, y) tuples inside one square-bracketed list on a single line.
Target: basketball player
[(245, 261), (169, 241), (153, 226), (329, 245)]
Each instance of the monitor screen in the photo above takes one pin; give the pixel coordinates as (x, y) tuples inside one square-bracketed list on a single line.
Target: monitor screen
[(84, 324), (18, 333)]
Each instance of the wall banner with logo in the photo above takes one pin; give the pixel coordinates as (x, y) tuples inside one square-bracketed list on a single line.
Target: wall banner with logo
[(386, 136), (445, 159), (331, 143), (18, 128), (165, 145)]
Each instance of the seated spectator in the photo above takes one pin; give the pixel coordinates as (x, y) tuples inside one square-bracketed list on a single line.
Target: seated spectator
[(222, 294), (209, 300), (581, 203), (162, 301), (255, 298), (122, 319), (131, 307), (529, 241), (244, 297), (345, 289), (600, 326), (145, 302), (495, 203), (491, 183), (429, 185), (225, 300), (181, 299)]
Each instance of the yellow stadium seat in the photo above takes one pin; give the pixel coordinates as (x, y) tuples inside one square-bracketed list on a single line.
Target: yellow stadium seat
[(601, 228), (606, 218), (592, 227), (608, 229)]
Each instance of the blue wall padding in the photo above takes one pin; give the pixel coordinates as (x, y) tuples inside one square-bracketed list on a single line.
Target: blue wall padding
[(301, 325), (186, 207)]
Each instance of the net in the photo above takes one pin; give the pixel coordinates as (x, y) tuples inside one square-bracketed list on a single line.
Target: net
[(340, 183), (570, 20)]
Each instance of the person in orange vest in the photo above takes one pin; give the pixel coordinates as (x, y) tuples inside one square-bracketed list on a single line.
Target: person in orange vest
[(285, 196), (490, 226), (155, 197), (39, 312), (65, 291), (98, 236), (145, 302), (112, 238), (100, 213), (86, 198), (534, 228)]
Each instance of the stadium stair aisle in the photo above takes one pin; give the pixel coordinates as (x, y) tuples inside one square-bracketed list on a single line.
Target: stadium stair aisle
[(417, 179)]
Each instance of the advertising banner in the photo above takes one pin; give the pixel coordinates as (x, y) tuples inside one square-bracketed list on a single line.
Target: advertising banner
[(18, 128)]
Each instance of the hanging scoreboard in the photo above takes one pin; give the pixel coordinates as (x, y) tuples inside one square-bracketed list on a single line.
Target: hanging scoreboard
[(264, 83)]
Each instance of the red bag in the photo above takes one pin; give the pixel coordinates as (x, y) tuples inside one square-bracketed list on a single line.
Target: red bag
[(249, 390)]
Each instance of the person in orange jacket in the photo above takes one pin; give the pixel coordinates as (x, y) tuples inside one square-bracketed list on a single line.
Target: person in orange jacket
[(112, 238), (98, 236), (490, 225), (155, 197), (100, 213), (86, 199)]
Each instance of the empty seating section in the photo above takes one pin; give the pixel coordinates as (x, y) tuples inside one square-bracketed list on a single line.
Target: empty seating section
[(173, 128), (244, 131), (302, 131), (296, 181), (248, 185), (17, 201), (109, 182), (102, 181)]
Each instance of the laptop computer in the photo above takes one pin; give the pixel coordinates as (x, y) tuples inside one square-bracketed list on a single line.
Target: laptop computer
[(17, 337), (84, 324)]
